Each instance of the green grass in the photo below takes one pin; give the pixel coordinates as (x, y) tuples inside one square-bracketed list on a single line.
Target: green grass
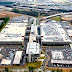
[(42, 57), (22, 46), (5, 21), (35, 64), (56, 18), (42, 53), (25, 71)]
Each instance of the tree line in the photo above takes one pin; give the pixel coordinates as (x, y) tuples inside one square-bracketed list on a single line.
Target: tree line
[(31, 13), (4, 22)]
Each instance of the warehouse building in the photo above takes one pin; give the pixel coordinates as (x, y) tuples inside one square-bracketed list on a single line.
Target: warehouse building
[(5, 62), (17, 58), (67, 17)]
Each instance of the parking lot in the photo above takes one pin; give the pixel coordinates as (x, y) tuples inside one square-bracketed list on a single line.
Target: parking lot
[(19, 19), (66, 25), (8, 54), (67, 53)]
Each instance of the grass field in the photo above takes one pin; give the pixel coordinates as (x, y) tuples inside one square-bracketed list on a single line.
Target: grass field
[(35, 64), (42, 57), (63, 69), (56, 18), (4, 25)]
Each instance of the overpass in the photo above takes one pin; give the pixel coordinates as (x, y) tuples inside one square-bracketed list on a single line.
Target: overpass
[(60, 14), (47, 17)]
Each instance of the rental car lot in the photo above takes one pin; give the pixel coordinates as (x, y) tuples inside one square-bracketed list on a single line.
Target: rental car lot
[(67, 56)]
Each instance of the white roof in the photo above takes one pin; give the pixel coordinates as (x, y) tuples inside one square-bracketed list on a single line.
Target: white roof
[(8, 8), (2, 6), (4, 61), (13, 32), (69, 16), (16, 61), (18, 54), (25, 21), (61, 61), (32, 48), (32, 28), (69, 32), (33, 36), (17, 58), (57, 55)]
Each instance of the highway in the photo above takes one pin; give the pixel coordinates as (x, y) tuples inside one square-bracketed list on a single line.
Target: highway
[(47, 17), (43, 66), (60, 14)]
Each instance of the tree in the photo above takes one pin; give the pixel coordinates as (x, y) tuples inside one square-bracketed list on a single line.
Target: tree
[(43, 69), (71, 21), (31, 68), (58, 70), (10, 71), (15, 10), (25, 71), (6, 70), (61, 70), (4, 22), (53, 71)]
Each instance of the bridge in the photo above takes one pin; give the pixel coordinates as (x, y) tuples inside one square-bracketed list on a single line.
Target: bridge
[(47, 17)]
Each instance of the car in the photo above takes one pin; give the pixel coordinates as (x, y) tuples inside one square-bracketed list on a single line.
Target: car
[(7, 58)]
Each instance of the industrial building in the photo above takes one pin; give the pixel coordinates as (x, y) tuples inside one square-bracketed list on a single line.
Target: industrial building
[(5, 62), (67, 17), (17, 58), (2, 8)]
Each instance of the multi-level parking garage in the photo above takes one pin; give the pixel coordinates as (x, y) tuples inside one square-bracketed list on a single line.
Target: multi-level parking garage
[(20, 19), (53, 33), (14, 32), (56, 42), (60, 56), (67, 27)]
